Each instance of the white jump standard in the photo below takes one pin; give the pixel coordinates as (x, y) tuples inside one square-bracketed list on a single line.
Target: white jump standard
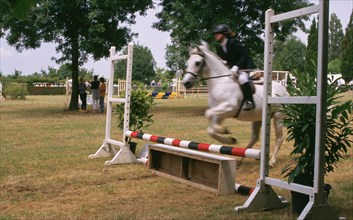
[(124, 155), (263, 196)]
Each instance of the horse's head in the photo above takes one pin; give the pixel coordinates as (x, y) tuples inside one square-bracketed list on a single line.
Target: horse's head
[(194, 67)]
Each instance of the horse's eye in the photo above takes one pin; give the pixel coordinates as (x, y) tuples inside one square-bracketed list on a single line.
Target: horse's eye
[(198, 63)]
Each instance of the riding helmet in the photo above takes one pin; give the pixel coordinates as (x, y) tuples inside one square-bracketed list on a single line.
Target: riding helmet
[(221, 28)]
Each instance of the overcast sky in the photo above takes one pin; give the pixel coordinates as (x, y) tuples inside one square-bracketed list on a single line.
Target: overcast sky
[(30, 61)]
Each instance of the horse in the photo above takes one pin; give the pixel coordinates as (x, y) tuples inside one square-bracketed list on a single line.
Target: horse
[(225, 99)]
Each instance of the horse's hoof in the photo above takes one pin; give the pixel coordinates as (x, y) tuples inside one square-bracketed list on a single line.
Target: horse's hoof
[(221, 130), (234, 141), (229, 141), (239, 163)]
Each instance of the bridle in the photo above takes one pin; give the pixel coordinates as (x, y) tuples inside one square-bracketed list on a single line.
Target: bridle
[(202, 65)]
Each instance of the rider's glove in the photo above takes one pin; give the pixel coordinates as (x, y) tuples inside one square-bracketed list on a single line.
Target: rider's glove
[(234, 71)]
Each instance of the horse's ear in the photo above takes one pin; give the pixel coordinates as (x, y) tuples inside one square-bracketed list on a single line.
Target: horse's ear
[(204, 45), (199, 50)]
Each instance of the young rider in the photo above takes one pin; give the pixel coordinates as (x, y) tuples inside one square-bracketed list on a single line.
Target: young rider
[(237, 57)]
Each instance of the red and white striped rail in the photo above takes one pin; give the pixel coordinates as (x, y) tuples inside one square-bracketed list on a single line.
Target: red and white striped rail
[(234, 151)]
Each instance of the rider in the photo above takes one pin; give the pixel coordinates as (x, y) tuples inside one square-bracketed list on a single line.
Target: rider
[(237, 57)]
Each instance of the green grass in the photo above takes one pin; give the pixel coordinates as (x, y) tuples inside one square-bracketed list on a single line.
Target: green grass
[(45, 172)]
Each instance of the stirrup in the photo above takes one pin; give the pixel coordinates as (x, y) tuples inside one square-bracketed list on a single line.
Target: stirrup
[(248, 105)]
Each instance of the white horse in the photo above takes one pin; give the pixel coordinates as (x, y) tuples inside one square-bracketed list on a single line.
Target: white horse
[(225, 98)]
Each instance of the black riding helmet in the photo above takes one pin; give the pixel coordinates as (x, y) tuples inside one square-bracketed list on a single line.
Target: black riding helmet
[(221, 28)]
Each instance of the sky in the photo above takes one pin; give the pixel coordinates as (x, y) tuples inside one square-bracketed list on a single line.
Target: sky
[(30, 61)]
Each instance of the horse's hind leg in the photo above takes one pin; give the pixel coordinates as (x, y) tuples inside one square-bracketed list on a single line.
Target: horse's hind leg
[(277, 122), (255, 132)]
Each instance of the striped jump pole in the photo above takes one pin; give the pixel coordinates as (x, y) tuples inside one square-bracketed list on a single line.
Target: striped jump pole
[(243, 190), (233, 151)]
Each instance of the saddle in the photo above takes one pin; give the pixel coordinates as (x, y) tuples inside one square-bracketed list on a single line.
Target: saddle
[(255, 78)]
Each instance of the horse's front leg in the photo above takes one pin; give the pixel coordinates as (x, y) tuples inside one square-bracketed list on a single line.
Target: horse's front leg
[(216, 124), (277, 122), (216, 116)]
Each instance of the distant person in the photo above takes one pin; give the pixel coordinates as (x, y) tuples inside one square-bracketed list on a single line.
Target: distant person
[(95, 93), (102, 89), (82, 92)]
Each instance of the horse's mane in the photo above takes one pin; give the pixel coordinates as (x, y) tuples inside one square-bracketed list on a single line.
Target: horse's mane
[(204, 49)]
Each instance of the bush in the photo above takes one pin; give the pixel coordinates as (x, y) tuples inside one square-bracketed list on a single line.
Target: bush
[(15, 91), (300, 121), (140, 105), (46, 90)]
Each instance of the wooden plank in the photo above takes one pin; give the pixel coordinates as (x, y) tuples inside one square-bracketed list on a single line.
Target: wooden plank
[(210, 172)]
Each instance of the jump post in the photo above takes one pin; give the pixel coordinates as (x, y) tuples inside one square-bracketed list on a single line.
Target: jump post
[(124, 155), (264, 197)]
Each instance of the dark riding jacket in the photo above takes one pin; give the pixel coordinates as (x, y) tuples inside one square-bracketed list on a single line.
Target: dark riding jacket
[(237, 54)]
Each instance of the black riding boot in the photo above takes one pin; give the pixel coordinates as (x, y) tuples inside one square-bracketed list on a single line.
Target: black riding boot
[(249, 103)]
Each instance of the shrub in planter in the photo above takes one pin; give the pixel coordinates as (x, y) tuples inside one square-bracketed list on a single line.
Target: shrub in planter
[(300, 122), (15, 91), (140, 116)]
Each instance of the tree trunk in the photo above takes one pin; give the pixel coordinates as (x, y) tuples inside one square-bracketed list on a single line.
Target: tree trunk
[(74, 70)]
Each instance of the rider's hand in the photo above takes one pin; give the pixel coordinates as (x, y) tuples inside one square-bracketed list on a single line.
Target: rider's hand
[(234, 71)]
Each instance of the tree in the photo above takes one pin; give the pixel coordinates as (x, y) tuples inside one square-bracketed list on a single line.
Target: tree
[(335, 37), (289, 55), (164, 75), (347, 52), (143, 67), (17, 74), (21, 8), (191, 22), (334, 66), (80, 28), (311, 50), (64, 71), (176, 55)]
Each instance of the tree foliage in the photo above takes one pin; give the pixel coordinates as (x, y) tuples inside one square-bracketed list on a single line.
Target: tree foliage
[(51, 75), (143, 67), (79, 28), (334, 66), (300, 121), (347, 52), (335, 37), (289, 55), (191, 22), (311, 50)]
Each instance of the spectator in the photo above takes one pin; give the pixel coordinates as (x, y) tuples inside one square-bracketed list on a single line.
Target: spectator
[(83, 95), (102, 89), (95, 93)]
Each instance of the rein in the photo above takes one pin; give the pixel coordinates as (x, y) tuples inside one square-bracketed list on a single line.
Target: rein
[(207, 78), (202, 79), (215, 77)]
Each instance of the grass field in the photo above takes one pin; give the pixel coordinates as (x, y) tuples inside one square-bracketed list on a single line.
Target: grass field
[(45, 172)]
